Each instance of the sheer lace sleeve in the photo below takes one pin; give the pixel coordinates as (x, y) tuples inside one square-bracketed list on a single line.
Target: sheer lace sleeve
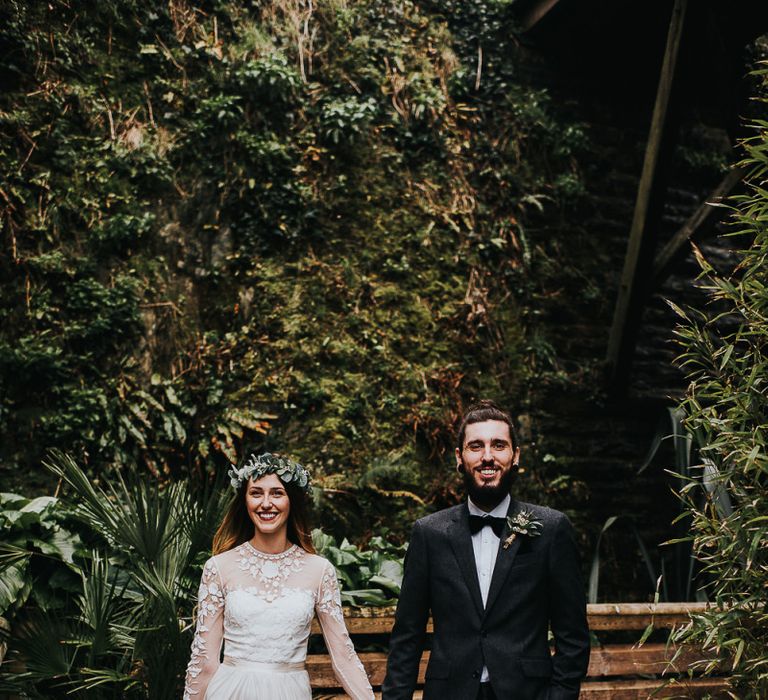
[(346, 665), (206, 646)]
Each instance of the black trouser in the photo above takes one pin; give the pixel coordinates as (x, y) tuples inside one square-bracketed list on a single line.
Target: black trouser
[(485, 692)]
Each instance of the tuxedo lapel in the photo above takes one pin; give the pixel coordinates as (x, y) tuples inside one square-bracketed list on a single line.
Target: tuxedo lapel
[(461, 543), (504, 559)]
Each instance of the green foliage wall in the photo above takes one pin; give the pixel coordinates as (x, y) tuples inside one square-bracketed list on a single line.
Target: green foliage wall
[(231, 223)]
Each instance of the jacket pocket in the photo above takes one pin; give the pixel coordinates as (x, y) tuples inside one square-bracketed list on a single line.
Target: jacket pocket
[(536, 668), (437, 669)]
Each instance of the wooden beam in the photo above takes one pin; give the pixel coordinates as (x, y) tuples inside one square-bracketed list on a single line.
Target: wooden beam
[(604, 662), (536, 13), (643, 690), (650, 659), (622, 338), (601, 616), (700, 222), (637, 616), (622, 690)]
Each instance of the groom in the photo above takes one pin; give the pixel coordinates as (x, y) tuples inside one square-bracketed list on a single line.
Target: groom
[(493, 591)]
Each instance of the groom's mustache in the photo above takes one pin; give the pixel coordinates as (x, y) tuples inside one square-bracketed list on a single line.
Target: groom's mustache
[(461, 467), (486, 495)]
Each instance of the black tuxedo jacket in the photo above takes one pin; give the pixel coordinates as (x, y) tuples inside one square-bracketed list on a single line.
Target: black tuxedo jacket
[(536, 584)]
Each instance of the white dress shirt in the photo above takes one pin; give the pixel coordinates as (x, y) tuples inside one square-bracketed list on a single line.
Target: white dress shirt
[(486, 546)]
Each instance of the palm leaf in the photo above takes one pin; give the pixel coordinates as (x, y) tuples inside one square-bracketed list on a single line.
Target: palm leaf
[(101, 606), (132, 515), (48, 645)]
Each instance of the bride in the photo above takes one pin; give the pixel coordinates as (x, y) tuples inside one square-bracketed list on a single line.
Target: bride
[(259, 593)]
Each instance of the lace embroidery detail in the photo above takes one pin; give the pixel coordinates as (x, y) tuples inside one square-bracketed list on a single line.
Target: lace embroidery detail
[(353, 657), (271, 569), (234, 620), (260, 606), (285, 591), (210, 597), (330, 596)]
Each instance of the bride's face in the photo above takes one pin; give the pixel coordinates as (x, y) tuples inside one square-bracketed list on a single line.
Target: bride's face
[(268, 504)]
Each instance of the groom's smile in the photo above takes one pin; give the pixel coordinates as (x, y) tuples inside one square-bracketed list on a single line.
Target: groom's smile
[(488, 473), (487, 461)]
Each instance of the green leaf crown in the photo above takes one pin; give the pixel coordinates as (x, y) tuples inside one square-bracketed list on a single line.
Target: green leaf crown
[(286, 469)]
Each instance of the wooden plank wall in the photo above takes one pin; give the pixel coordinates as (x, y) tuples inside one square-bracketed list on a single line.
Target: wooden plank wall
[(609, 668)]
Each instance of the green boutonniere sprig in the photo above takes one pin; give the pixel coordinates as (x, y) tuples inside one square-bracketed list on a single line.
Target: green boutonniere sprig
[(522, 523)]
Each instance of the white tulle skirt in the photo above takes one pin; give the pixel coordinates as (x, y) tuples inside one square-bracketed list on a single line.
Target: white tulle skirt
[(252, 680)]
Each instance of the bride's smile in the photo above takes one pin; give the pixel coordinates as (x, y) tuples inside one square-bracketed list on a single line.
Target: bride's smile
[(268, 505)]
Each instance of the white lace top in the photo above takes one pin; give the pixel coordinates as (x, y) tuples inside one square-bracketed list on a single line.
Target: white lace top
[(261, 607)]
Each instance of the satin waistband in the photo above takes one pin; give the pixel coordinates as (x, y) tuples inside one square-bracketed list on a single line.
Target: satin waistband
[(263, 665)]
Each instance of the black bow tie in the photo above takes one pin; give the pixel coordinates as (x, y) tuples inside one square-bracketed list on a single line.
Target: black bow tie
[(478, 522)]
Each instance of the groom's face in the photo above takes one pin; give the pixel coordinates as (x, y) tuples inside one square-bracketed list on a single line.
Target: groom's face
[(488, 462)]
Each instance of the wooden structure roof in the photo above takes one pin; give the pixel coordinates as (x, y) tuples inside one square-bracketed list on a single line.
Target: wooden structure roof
[(689, 54)]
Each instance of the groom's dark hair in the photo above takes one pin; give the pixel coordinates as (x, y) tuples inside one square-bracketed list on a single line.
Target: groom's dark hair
[(482, 411)]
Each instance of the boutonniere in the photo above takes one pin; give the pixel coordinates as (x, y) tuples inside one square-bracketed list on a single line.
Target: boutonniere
[(522, 523)]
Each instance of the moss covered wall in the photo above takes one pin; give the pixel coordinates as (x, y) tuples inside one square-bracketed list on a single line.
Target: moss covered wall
[(266, 224)]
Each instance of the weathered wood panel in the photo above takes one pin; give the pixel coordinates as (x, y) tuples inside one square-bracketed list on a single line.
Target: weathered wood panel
[(615, 663), (622, 690), (645, 689), (612, 661), (650, 659), (602, 616), (637, 616)]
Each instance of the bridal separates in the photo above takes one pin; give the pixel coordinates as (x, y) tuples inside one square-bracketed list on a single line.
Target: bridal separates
[(260, 607)]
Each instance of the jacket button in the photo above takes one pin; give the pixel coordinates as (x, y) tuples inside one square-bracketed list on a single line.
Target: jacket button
[(475, 674)]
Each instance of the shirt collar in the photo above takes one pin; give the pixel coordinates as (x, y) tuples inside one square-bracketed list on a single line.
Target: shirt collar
[(500, 511)]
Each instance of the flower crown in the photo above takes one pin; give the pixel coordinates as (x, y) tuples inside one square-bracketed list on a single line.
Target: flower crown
[(287, 471)]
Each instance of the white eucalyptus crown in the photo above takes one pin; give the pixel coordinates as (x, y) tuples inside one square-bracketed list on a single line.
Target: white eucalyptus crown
[(255, 467)]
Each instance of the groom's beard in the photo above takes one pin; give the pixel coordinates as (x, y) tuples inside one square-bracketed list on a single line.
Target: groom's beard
[(487, 497)]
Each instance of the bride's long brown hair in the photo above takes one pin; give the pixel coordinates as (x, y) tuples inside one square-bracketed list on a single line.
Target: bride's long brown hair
[(237, 527)]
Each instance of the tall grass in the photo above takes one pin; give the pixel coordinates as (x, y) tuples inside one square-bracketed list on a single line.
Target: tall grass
[(726, 409)]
